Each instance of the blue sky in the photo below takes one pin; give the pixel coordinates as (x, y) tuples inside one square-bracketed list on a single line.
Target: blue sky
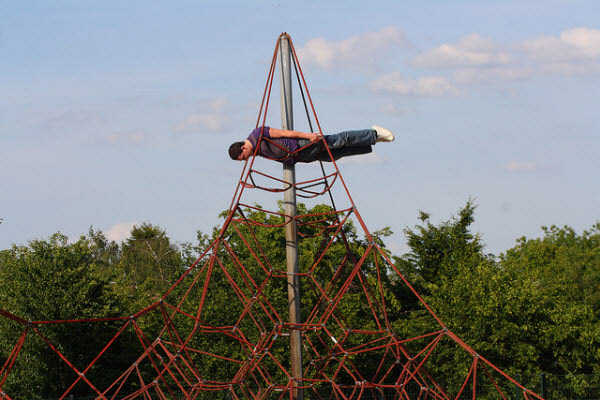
[(114, 113)]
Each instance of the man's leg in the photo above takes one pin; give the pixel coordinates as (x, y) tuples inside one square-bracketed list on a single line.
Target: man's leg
[(342, 144), (310, 153), (363, 137), (344, 152)]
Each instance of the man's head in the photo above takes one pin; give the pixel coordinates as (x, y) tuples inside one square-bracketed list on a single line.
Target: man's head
[(240, 150)]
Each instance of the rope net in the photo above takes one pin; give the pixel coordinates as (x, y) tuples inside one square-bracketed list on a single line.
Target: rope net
[(186, 339)]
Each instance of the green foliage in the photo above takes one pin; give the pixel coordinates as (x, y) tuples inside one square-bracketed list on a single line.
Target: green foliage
[(436, 250), (533, 310), (104, 253), (47, 281), (560, 273), (149, 258)]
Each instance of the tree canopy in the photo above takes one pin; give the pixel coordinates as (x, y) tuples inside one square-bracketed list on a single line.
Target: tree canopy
[(534, 308)]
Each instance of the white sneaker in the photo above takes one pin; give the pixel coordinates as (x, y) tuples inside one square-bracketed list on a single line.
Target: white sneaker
[(383, 135)]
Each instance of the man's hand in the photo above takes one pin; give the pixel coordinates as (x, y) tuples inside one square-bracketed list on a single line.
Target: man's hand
[(313, 136)]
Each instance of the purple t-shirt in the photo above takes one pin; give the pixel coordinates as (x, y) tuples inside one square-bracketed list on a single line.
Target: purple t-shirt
[(269, 150)]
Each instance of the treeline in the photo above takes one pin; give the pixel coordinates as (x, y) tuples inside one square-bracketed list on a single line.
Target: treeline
[(534, 308)]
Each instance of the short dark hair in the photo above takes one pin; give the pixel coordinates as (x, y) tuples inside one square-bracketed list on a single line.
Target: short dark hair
[(235, 150)]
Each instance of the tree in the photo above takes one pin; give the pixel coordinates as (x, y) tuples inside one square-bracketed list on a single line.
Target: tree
[(534, 309), (561, 274), (436, 250), (149, 260), (51, 280), (440, 258), (106, 254)]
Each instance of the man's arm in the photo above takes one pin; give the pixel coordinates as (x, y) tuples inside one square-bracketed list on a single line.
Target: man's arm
[(281, 133)]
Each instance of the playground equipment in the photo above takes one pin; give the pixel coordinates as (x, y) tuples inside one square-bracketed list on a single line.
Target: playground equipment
[(267, 346)]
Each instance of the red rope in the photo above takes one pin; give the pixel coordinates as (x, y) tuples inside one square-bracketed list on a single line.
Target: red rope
[(333, 346)]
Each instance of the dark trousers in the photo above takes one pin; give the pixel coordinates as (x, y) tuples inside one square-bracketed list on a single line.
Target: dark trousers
[(343, 144)]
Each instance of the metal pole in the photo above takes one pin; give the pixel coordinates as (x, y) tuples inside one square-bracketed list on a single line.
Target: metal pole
[(291, 238)]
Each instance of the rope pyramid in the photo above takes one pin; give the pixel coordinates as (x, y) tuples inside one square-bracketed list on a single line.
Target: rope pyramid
[(187, 343)]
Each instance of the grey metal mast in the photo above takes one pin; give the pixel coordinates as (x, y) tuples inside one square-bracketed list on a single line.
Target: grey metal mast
[(291, 237)]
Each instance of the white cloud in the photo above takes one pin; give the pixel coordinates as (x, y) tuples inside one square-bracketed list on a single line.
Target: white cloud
[(472, 59), (120, 231), (475, 59), (521, 166), (505, 73), (574, 52), (394, 83), (358, 51), (215, 118), (471, 50), (572, 44)]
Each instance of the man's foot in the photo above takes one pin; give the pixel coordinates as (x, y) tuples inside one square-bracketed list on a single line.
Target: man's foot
[(383, 135)]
